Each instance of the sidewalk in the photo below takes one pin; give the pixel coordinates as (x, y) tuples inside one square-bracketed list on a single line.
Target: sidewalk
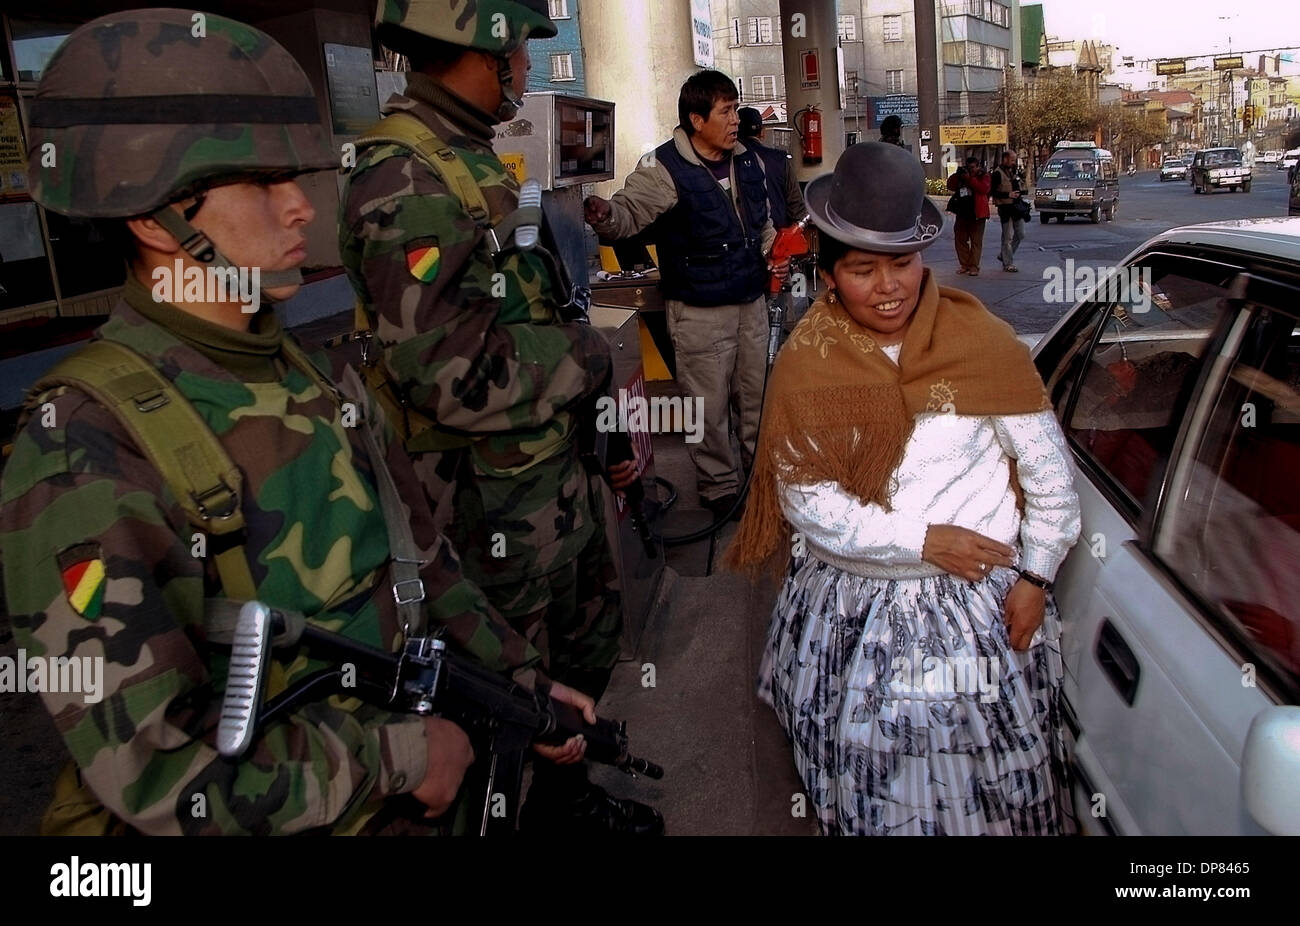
[(1017, 298), (728, 769)]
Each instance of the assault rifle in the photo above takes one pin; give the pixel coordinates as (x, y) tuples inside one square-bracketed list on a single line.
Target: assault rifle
[(423, 678)]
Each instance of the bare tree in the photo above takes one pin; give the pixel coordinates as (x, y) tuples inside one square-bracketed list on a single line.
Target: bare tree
[(1054, 108)]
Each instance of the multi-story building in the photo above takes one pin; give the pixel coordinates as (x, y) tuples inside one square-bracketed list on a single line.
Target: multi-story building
[(747, 48), (557, 61), (881, 66), (977, 42), (1033, 41), (1084, 58), (980, 51)]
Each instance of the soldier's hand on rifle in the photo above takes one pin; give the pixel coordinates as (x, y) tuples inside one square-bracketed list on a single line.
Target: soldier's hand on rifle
[(576, 747), (622, 475), (450, 754), (595, 210)]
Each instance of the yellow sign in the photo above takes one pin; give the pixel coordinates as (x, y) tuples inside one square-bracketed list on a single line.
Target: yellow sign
[(13, 156), (515, 164), (973, 134), (1171, 66), (1228, 63)]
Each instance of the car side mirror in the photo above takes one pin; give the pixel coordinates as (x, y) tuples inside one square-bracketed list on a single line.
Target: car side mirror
[(1270, 768)]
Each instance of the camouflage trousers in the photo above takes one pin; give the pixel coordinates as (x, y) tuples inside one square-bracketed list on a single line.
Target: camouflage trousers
[(572, 615)]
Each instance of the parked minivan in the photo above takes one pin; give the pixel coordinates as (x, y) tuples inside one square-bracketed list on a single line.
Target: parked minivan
[(1078, 179)]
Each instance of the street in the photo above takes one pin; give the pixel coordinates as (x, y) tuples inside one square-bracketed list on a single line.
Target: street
[(1146, 208)]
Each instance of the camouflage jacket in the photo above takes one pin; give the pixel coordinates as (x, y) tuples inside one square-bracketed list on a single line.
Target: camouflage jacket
[(100, 561), (476, 344)]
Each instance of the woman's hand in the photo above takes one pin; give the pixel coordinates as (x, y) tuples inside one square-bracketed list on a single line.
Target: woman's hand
[(964, 552), (1024, 613)]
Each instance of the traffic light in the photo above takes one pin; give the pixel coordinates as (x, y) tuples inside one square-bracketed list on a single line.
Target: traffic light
[(1246, 116)]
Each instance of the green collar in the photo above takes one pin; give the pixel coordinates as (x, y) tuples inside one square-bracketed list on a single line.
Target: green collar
[(477, 123), (248, 355)]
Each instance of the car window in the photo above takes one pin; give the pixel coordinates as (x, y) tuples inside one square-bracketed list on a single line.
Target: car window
[(1068, 167), (1231, 530), (1222, 159), (1123, 414)]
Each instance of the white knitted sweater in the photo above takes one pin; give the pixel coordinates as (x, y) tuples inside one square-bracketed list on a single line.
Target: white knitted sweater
[(955, 470)]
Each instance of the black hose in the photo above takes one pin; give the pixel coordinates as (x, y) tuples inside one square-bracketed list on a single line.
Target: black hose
[(672, 494)]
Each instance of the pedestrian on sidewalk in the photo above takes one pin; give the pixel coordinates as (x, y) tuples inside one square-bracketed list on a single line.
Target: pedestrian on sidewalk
[(914, 655), (1012, 211), (970, 204)]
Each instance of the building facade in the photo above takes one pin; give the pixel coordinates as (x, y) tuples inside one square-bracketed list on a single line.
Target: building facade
[(747, 48), (980, 53), (558, 62)]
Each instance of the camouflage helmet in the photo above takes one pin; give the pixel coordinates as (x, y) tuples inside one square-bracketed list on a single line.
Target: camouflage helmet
[(145, 107), (496, 26)]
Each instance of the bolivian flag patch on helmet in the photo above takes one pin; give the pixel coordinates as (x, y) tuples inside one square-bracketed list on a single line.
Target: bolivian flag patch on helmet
[(82, 571), (422, 260)]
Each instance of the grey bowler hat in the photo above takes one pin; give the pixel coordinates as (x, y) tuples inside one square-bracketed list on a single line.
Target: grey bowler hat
[(875, 200)]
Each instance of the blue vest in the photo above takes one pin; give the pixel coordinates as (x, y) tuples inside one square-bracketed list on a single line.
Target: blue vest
[(777, 164), (706, 256)]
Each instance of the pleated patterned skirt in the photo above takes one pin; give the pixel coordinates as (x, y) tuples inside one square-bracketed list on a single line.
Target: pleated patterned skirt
[(908, 710)]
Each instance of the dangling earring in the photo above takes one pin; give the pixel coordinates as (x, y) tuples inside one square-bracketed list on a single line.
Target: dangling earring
[(830, 296)]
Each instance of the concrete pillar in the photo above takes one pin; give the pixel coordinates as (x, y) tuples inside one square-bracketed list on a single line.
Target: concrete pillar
[(638, 53), (927, 84), (811, 24)]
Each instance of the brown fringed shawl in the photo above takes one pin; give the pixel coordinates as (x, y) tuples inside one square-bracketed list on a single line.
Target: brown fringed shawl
[(839, 410)]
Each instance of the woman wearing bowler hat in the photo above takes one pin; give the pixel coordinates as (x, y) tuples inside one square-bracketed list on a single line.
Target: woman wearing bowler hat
[(913, 475)]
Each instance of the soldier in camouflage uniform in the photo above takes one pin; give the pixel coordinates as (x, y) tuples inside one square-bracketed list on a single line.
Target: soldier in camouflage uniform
[(472, 339), (100, 559)]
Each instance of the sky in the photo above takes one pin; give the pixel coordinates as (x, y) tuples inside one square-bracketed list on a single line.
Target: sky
[(1176, 28)]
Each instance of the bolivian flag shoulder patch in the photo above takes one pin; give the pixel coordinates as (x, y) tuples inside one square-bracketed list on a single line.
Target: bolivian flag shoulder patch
[(82, 570), (422, 259)]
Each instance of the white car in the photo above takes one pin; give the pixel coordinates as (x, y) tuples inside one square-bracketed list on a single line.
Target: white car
[(1269, 157), (1289, 159), (1179, 392)]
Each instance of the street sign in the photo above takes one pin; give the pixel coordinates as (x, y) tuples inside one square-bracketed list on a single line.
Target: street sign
[(995, 134), (1172, 66), (905, 108), (702, 32), (810, 77), (1228, 63)]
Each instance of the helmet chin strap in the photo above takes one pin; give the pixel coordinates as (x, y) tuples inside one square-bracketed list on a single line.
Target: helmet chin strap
[(511, 102), (199, 246)]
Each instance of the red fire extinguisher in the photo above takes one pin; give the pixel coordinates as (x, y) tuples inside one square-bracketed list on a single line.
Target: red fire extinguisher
[(808, 123)]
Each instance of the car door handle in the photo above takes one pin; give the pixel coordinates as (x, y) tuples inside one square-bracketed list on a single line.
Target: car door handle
[(1117, 660)]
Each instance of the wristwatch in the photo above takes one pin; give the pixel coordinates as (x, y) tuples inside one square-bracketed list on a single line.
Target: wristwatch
[(1035, 580)]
